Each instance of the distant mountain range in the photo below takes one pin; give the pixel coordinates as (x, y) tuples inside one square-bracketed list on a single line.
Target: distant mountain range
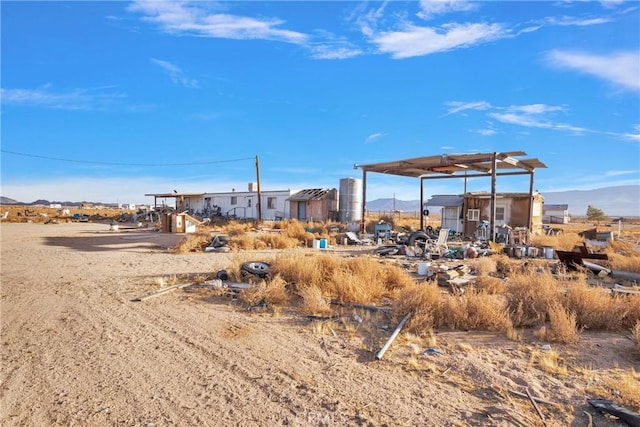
[(623, 200), (42, 202)]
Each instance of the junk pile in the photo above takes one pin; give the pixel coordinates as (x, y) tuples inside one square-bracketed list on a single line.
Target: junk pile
[(218, 244)]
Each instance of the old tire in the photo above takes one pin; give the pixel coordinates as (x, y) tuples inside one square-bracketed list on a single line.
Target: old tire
[(418, 238), (258, 268)]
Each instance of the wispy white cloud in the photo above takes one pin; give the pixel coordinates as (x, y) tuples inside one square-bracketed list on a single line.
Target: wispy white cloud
[(539, 116), (175, 73), (75, 99), (635, 135), (620, 173), (429, 8), (621, 69), (573, 21), (457, 106), (197, 19), (334, 49), (413, 40), (371, 138)]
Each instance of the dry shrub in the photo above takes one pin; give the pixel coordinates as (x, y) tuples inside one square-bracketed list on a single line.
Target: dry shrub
[(622, 387), (396, 278), (504, 264), (349, 286), (563, 327), (313, 302), (277, 241), (562, 241), (235, 228), (273, 292), (623, 260), (635, 334), (632, 308), (594, 308), (490, 285), (549, 361), (304, 270), (424, 300), (484, 266), (476, 311), (296, 230), (194, 242), (529, 297), (241, 242)]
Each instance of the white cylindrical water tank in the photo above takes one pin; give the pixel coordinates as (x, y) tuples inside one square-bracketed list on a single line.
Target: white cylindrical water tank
[(350, 200)]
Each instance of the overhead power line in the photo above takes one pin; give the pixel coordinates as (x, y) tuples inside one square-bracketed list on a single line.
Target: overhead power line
[(93, 162)]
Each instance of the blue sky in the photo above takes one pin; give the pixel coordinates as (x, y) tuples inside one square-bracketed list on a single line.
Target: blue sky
[(108, 101)]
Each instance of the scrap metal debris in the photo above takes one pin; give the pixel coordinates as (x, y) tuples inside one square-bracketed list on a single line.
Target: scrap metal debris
[(612, 408)]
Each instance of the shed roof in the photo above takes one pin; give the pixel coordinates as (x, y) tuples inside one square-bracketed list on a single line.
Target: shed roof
[(453, 164), (445, 200), (310, 194)]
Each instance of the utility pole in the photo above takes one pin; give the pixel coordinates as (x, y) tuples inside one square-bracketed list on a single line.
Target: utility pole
[(259, 193)]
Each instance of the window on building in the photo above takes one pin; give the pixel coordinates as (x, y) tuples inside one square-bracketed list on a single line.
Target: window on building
[(249, 203), (500, 213), (234, 200), (271, 203), (473, 214)]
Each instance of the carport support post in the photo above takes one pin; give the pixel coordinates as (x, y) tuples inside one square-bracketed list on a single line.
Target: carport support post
[(530, 215), (364, 200), (421, 210), (259, 192), (492, 219)]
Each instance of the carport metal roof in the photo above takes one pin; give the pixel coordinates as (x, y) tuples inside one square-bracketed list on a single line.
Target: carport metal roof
[(457, 166), (454, 164)]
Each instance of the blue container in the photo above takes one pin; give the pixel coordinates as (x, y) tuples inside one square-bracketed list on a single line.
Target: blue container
[(323, 243)]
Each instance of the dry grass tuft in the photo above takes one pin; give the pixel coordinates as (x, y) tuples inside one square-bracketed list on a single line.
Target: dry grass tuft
[(549, 361), (563, 327), (529, 297), (504, 264), (273, 293), (424, 300), (476, 311), (622, 387), (635, 334), (194, 242), (596, 308), (303, 270), (564, 241), (396, 278), (313, 302), (484, 266), (623, 256), (490, 285), (631, 306), (348, 286)]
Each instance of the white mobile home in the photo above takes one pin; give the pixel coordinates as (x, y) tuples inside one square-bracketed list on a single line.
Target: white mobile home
[(244, 204)]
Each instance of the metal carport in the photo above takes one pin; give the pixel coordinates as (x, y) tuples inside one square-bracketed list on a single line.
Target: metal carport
[(457, 166)]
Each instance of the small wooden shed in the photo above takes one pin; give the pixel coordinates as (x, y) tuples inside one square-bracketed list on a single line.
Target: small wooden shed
[(315, 204)]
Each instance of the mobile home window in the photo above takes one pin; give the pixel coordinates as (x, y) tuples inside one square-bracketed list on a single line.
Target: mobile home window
[(234, 200), (248, 203), (271, 202), (473, 214), (500, 213)]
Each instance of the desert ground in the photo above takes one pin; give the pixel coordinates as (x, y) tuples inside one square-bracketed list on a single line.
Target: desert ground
[(78, 350)]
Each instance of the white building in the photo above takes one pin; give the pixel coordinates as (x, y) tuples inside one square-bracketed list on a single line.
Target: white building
[(555, 214), (238, 204)]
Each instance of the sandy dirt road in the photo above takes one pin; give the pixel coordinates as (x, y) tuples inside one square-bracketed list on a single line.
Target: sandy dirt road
[(77, 351)]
